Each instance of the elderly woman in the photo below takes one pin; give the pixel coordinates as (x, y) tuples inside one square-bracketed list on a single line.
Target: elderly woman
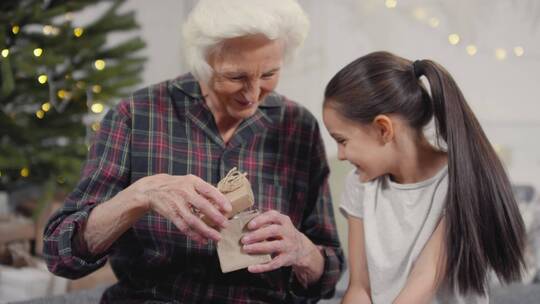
[(158, 153)]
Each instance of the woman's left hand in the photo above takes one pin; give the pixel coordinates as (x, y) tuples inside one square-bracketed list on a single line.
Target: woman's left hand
[(274, 233)]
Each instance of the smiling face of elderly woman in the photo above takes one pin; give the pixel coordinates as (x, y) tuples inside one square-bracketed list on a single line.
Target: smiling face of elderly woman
[(245, 71)]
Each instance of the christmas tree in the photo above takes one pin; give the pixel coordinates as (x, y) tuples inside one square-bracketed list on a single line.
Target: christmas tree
[(57, 76)]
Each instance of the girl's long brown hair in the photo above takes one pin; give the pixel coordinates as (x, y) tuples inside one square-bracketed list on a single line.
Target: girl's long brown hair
[(484, 227)]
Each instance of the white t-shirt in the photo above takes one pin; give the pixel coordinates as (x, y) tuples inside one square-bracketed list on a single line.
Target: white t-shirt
[(398, 221)]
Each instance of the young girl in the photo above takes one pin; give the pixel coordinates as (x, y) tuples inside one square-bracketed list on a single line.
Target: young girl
[(426, 225)]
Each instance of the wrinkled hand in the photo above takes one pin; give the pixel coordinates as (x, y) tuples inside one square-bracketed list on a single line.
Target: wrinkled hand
[(273, 233), (176, 198)]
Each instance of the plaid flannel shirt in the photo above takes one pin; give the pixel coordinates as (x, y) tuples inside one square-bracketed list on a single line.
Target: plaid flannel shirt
[(167, 128)]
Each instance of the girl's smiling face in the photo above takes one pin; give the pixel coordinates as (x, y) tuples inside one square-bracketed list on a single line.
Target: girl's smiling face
[(362, 145)]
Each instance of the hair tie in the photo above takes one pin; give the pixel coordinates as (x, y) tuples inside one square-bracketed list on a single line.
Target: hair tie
[(416, 68)]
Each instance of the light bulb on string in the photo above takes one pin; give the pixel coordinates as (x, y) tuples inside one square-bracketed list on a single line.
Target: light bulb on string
[(519, 51), (40, 114), (96, 88), (99, 64), (500, 54), (15, 29), (38, 51), (453, 39), (390, 3), (42, 78), (78, 32), (433, 22), (5, 53), (97, 107), (46, 106), (47, 29), (95, 126), (25, 172), (471, 49)]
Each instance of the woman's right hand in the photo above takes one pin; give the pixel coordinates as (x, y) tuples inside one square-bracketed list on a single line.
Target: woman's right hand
[(176, 197)]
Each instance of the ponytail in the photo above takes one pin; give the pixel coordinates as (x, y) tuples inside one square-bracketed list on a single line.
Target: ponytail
[(485, 229)]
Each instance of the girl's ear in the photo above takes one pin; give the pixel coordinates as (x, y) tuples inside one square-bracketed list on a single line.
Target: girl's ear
[(384, 127)]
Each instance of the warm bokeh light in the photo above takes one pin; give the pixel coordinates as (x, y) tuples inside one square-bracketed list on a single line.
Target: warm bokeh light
[(38, 52), (519, 51), (500, 53), (453, 39), (78, 32), (99, 64), (42, 78), (25, 172), (97, 107), (434, 22), (390, 3), (46, 106), (471, 49), (40, 114)]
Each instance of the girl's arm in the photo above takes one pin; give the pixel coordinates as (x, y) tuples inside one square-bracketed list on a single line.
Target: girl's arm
[(428, 270), (358, 291)]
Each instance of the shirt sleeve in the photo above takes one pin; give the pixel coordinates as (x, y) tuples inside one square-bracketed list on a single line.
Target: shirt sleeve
[(105, 173), (352, 198), (320, 227)]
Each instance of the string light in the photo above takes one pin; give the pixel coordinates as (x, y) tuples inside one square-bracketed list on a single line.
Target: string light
[(38, 52), (390, 3), (97, 107), (61, 94), (46, 106), (96, 88), (433, 22), (500, 54), (95, 126), (99, 64), (47, 29), (519, 51), (15, 29), (50, 30), (42, 78), (40, 114), (419, 13), (25, 172), (471, 49), (453, 39), (5, 53), (78, 31)]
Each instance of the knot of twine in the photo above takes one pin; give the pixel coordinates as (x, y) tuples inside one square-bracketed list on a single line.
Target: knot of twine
[(232, 181)]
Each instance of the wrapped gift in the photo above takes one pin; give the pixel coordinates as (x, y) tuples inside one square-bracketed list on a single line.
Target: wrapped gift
[(229, 248), (236, 187)]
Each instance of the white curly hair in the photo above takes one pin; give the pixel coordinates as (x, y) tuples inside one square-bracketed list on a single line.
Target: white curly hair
[(211, 22)]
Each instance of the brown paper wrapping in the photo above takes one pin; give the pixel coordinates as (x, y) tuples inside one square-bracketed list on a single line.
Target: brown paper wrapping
[(236, 187), (229, 248)]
